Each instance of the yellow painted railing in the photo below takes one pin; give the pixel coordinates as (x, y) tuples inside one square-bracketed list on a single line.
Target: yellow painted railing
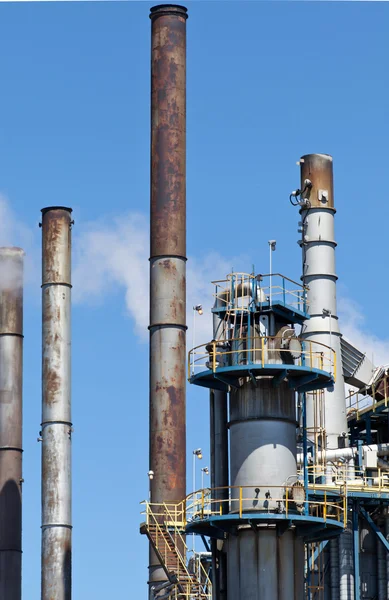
[(237, 290), (167, 521), (346, 478), (260, 350), (244, 499), (249, 499)]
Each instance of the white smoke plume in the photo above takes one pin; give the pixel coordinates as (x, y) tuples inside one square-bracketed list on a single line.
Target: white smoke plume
[(13, 232), (114, 254), (111, 255)]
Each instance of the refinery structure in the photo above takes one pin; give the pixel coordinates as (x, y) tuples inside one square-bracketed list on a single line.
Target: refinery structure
[(298, 502)]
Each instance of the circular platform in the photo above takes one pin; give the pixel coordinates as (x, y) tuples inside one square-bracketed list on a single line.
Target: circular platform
[(308, 527), (300, 378)]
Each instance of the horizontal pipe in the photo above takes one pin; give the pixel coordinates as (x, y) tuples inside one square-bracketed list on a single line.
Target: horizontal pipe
[(346, 453)]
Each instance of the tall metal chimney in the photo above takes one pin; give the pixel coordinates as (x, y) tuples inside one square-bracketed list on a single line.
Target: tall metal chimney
[(56, 404), (167, 260), (318, 247), (11, 358)]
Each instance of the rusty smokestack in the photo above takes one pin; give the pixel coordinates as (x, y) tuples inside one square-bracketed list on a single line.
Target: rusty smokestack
[(167, 260), (11, 359), (56, 404)]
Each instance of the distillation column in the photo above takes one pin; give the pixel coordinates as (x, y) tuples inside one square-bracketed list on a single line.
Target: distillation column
[(56, 404), (11, 357), (167, 261), (261, 562), (318, 248)]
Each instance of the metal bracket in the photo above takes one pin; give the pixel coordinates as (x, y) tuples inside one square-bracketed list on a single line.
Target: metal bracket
[(306, 380), (278, 379)]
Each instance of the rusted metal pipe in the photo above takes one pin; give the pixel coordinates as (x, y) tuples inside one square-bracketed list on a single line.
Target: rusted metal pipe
[(56, 404), (167, 260), (11, 358)]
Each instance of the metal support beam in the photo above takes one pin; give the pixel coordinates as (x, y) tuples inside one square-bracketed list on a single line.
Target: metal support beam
[(317, 552), (374, 528)]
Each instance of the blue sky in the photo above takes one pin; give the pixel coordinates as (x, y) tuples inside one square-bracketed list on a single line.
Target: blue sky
[(267, 82)]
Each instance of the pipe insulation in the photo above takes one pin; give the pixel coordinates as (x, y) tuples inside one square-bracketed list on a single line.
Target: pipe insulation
[(11, 374), (346, 565), (318, 251), (345, 453), (56, 426)]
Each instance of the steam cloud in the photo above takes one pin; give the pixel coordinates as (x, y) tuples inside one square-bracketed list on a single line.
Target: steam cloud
[(112, 256)]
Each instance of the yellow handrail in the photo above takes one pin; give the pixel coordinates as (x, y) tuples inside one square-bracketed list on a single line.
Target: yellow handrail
[(170, 518), (210, 355)]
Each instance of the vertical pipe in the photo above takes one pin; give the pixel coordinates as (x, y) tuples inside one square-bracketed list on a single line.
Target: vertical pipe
[(11, 356), (56, 404), (356, 550), (381, 571), (318, 249), (346, 565), (334, 569), (167, 260), (219, 469), (386, 530)]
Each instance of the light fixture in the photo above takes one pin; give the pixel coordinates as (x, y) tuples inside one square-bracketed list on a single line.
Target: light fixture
[(198, 308), (198, 453), (150, 474), (272, 244), (205, 470)]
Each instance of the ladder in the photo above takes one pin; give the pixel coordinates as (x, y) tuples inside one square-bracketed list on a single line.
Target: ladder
[(163, 531)]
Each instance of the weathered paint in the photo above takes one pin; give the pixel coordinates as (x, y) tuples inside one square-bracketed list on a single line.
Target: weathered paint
[(168, 131), (56, 404), (318, 169), (11, 372), (167, 260)]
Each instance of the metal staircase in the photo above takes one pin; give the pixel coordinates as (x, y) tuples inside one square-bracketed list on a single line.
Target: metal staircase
[(163, 527)]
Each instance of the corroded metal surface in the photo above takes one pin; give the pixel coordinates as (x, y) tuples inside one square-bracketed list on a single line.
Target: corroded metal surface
[(168, 130), (56, 404), (318, 169), (11, 357), (167, 260)]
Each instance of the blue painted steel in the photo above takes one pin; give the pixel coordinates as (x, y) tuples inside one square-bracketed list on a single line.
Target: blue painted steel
[(295, 315), (303, 378), (319, 550), (368, 430), (357, 594), (374, 527), (306, 525), (309, 573)]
